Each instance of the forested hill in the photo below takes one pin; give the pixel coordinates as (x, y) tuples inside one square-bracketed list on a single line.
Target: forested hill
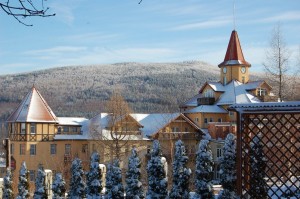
[(82, 90)]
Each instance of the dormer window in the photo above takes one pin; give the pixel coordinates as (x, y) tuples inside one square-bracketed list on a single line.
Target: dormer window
[(261, 92), (209, 93)]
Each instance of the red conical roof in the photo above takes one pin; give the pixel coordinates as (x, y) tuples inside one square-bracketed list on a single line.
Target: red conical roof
[(33, 108), (234, 54)]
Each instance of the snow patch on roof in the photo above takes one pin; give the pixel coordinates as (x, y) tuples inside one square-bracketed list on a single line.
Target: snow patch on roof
[(207, 109), (152, 123)]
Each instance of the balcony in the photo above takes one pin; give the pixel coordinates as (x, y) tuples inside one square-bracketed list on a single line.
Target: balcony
[(206, 101)]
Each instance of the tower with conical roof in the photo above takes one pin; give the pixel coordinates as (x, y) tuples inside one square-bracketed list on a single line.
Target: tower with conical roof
[(234, 66)]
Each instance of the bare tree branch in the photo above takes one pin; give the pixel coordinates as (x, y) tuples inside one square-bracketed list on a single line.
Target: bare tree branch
[(24, 8)]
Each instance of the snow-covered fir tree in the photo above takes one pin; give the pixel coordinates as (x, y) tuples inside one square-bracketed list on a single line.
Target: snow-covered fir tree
[(114, 186), (181, 174), (23, 186), (40, 185), (258, 186), (228, 168), (77, 184), (134, 188), (157, 179), (7, 192), (93, 177), (59, 187), (204, 163)]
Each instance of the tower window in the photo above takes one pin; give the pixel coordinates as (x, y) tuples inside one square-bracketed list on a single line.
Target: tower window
[(32, 128), (243, 79), (23, 128)]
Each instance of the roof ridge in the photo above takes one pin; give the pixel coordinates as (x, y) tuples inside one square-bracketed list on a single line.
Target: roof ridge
[(46, 105)]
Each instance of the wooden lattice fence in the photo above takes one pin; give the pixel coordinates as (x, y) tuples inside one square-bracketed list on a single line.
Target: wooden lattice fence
[(276, 127)]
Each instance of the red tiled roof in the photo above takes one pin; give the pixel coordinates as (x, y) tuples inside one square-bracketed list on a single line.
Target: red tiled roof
[(234, 54), (33, 108)]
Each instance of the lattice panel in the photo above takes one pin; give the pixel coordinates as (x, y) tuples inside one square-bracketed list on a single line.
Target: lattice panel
[(279, 135)]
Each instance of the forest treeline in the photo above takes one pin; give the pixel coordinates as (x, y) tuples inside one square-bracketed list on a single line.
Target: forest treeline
[(83, 90)]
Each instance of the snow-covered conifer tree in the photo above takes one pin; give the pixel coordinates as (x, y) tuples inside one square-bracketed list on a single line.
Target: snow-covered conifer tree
[(228, 168), (59, 187), (40, 185), (134, 188), (204, 164), (77, 184), (258, 186), (7, 192), (181, 174), (93, 177), (114, 186), (23, 186), (157, 179)]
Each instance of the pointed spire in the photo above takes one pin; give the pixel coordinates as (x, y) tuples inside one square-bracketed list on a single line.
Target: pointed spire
[(33, 108), (234, 54)]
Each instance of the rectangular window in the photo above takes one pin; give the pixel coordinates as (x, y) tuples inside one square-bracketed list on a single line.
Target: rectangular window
[(12, 148), (84, 148), (23, 128), (68, 149), (32, 128), (261, 92), (231, 113), (205, 120), (219, 152), (211, 120), (33, 149), (66, 129), (32, 175), (73, 129), (52, 149), (220, 120), (197, 119), (22, 149)]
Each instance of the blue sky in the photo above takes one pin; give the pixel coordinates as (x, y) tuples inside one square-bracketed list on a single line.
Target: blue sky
[(110, 31)]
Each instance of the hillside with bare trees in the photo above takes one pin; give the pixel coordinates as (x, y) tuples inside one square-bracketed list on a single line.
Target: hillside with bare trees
[(83, 90)]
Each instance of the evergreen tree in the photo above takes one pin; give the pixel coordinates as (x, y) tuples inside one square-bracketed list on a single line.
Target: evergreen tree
[(77, 184), (157, 179), (93, 177), (114, 187), (40, 185), (181, 174), (204, 164), (7, 192), (23, 186), (259, 188), (228, 168), (134, 188), (59, 187)]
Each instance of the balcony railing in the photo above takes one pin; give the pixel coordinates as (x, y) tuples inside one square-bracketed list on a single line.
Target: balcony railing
[(30, 137), (206, 101)]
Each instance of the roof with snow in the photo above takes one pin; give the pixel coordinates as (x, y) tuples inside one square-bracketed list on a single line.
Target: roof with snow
[(267, 106), (74, 121), (234, 54), (152, 123), (207, 109), (236, 93), (192, 101), (33, 108)]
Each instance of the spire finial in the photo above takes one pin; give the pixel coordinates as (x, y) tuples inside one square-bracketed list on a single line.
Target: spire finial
[(233, 14)]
